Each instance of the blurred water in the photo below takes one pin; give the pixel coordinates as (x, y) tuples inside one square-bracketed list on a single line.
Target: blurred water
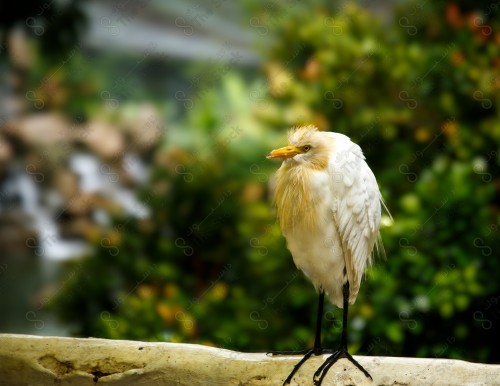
[(96, 177), (30, 269), (23, 281), (28, 281)]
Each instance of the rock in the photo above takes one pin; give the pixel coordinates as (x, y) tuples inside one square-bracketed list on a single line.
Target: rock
[(17, 235), (20, 51), (105, 140), (66, 183), (81, 204), (78, 227), (145, 127), (44, 129), (6, 154), (34, 360)]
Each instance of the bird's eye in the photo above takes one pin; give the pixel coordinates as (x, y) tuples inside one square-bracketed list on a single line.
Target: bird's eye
[(306, 148)]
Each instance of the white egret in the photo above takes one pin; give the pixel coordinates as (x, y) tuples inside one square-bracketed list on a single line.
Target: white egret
[(329, 209)]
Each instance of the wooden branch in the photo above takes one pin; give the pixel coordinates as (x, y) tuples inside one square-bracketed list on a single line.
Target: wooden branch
[(34, 360)]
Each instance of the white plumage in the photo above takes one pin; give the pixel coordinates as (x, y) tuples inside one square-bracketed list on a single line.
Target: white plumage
[(329, 208)]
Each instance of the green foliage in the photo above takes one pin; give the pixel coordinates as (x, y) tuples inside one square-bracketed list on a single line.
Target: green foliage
[(211, 266), (422, 100)]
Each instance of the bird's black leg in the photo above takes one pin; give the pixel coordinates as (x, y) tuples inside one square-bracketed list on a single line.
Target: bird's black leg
[(320, 374), (316, 350)]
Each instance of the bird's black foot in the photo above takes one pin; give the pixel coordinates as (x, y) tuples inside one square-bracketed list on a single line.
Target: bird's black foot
[(320, 374), (307, 354)]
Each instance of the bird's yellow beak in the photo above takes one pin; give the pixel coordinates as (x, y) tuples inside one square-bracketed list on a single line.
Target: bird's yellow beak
[(285, 152)]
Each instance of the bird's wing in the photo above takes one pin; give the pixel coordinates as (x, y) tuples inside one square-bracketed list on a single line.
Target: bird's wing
[(357, 210)]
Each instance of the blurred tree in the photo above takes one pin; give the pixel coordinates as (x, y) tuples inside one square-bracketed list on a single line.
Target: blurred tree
[(39, 38), (55, 26), (422, 100)]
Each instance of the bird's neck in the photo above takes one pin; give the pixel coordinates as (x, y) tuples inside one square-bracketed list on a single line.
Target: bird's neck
[(293, 198)]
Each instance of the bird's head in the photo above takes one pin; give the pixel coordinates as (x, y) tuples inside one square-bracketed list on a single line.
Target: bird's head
[(306, 146)]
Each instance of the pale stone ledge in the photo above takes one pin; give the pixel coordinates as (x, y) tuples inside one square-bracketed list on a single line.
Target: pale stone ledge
[(39, 361)]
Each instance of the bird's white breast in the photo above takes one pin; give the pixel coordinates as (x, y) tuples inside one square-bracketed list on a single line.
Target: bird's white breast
[(317, 249)]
